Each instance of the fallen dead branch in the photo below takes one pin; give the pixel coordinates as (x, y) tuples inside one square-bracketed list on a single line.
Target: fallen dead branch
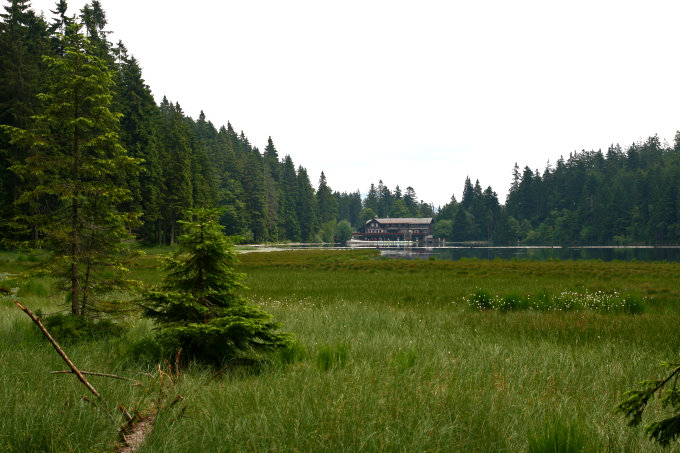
[(136, 428), (63, 355), (92, 373)]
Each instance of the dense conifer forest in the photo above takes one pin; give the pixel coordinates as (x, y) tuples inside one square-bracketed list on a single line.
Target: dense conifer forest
[(618, 197)]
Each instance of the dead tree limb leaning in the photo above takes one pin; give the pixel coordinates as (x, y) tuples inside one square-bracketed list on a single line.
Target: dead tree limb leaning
[(59, 350), (92, 373)]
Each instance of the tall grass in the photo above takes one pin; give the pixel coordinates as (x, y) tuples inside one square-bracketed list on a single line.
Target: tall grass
[(389, 357), (600, 301), (560, 435)]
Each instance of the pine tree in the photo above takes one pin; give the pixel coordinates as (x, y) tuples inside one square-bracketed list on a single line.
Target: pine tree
[(176, 157), (327, 207), (271, 160), (384, 200), (23, 41), (77, 158), (139, 135), (288, 221), (198, 310), (371, 201), (252, 180), (411, 200), (233, 210), (305, 206), (355, 209), (93, 17)]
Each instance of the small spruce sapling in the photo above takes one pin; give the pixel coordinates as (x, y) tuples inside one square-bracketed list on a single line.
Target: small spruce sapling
[(198, 309)]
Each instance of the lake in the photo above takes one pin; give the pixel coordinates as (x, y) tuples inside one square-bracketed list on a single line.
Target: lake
[(639, 253)]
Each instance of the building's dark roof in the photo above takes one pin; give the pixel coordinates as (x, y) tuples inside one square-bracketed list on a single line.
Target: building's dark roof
[(388, 221)]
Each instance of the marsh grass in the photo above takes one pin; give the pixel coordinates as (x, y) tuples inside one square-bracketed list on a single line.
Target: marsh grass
[(389, 357), (560, 435), (599, 301), (332, 356)]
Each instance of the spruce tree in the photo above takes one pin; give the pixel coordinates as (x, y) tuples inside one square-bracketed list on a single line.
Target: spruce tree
[(76, 157), (139, 135), (198, 309), (252, 180), (305, 206), (327, 205), (23, 41), (288, 221), (176, 157)]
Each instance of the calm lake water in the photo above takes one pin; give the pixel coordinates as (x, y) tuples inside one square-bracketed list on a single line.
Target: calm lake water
[(668, 253), (539, 253)]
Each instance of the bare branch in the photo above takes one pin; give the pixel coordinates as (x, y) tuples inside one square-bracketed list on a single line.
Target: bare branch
[(63, 355)]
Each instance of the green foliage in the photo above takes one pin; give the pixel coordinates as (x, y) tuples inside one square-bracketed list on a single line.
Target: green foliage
[(69, 328), (667, 429), (343, 231), (607, 302), (198, 310), (326, 232), (75, 159), (482, 300), (621, 197)]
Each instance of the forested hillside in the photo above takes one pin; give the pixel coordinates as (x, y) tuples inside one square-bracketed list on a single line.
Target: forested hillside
[(591, 198), (184, 162), (627, 196)]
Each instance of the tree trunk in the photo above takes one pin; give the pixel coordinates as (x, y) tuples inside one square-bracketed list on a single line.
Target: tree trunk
[(75, 252), (75, 284), (85, 289)]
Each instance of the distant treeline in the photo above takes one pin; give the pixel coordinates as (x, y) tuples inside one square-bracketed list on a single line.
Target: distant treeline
[(621, 197), (591, 198)]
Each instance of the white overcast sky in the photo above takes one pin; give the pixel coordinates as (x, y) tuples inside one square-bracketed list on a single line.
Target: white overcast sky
[(414, 93)]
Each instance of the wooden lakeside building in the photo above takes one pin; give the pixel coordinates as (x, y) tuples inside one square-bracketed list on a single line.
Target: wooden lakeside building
[(418, 230)]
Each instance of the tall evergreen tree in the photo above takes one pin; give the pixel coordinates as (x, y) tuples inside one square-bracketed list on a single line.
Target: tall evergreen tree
[(23, 41), (77, 158), (371, 201), (139, 135), (271, 160), (176, 156), (327, 206), (288, 220), (254, 191), (306, 207)]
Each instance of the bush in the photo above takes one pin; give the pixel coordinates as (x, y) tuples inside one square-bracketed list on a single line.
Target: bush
[(482, 300), (512, 302), (70, 328)]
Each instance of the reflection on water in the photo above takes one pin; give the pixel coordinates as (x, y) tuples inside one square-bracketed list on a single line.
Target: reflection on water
[(539, 253)]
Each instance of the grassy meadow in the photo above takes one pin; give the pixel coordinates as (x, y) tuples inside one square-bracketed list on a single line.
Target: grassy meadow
[(392, 355)]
